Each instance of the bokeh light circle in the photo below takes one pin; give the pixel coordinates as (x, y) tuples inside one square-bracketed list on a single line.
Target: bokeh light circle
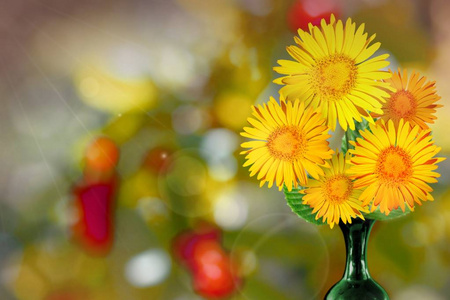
[(148, 268)]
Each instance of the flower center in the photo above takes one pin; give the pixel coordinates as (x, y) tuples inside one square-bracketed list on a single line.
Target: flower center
[(334, 76), (402, 105), (338, 188), (394, 165), (287, 143)]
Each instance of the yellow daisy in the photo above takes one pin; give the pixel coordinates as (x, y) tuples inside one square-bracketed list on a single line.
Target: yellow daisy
[(332, 71), (413, 100), (395, 165), (289, 140), (333, 195)]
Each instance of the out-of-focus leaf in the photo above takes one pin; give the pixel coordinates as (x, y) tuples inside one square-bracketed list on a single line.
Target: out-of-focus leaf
[(109, 93), (124, 127)]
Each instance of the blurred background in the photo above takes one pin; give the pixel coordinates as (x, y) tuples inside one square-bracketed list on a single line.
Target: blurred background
[(120, 170)]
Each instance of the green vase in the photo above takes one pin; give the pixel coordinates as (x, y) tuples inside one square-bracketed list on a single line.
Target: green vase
[(356, 282)]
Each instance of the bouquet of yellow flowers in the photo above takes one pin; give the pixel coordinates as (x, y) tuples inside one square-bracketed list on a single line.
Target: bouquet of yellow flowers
[(388, 157)]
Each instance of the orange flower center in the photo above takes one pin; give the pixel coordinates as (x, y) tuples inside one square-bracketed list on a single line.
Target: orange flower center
[(338, 188), (287, 143), (334, 76), (402, 104), (394, 165)]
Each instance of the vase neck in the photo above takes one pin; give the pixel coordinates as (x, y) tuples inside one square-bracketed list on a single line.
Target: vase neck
[(356, 236)]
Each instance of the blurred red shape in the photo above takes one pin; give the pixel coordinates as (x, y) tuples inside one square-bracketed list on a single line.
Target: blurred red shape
[(213, 272), (186, 243), (95, 207), (303, 12)]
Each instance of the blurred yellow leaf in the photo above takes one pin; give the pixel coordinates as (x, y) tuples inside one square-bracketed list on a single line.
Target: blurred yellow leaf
[(106, 92)]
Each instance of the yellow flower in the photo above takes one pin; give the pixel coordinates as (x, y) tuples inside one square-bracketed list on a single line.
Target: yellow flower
[(394, 165), (413, 100), (333, 196), (289, 140), (332, 71)]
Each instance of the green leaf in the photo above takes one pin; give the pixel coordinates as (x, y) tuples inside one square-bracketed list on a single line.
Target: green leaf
[(345, 144), (352, 135), (378, 215), (294, 201)]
